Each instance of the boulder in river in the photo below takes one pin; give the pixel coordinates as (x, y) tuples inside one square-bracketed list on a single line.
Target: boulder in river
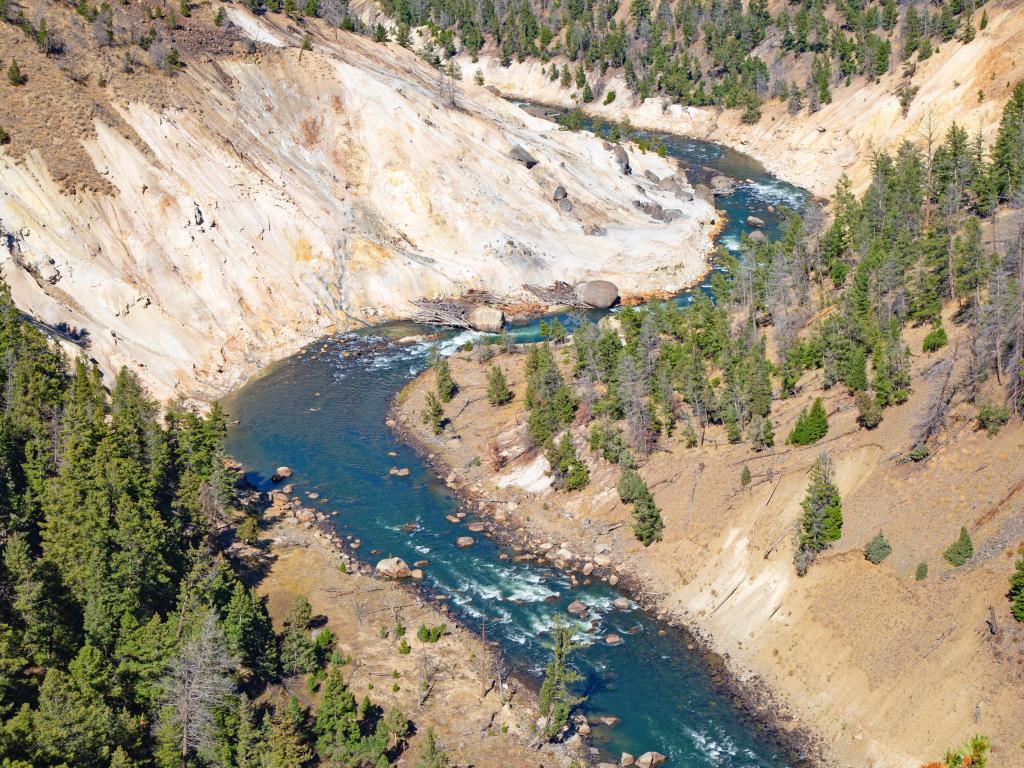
[(281, 473), (599, 294), (465, 541), (650, 759), (577, 608), (393, 568), (626, 760), (722, 185), (486, 319), (399, 471), (758, 236), (560, 193), (755, 221), (622, 603), (612, 639), (520, 155)]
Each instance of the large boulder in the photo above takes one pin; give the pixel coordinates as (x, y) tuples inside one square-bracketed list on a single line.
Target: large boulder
[(486, 319), (755, 221), (599, 294), (393, 568), (758, 236), (520, 155), (650, 759), (722, 185), (565, 204), (622, 159), (464, 541), (560, 193), (281, 473)]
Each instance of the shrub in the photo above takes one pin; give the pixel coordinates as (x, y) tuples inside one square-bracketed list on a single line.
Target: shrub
[(745, 475), (14, 75), (869, 412), (248, 530), (877, 549), (936, 339), (1016, 593), (609, 97), (404, 647), (919, 452), (5, 137), (218, 17), (992, 417), (431, 634), (921, 572), (567, 469), (810, 426), (961, 550)]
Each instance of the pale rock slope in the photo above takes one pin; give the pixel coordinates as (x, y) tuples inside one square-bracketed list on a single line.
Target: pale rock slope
[(289, 193), (814, 150)]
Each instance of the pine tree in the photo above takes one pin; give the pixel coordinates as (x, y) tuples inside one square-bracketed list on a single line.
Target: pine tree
[(556, 700), (498, 392), (14, 75), (433, 413), (745, 477), (822, 520), (1016, 593), (445, 384), (1008, 150), (961, 550), (337, 725), (876, 550), (810, 426), (431, 755), (250, 634), (287, 746), (298, 652), (855, 371), (567, 469)]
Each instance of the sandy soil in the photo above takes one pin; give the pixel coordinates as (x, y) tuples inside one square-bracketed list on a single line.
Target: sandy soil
[(887, 670), (471, 720)]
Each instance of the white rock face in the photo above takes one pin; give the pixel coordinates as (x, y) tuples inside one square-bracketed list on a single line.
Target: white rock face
[(306, 192)]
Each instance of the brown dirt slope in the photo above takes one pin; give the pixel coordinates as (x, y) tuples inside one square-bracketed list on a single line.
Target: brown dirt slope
[(888, 670)]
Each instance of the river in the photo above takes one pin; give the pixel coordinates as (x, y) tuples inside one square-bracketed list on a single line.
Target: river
[(322, 412)]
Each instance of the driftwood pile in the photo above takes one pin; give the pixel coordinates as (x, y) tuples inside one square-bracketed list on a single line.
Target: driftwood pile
[(453, 312), (560, 293)]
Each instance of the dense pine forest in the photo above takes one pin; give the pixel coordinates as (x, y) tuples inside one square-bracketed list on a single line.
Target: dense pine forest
[(691, 52), (126, 637)]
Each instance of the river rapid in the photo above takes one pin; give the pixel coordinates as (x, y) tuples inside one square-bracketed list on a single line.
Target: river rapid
[(322, 412)]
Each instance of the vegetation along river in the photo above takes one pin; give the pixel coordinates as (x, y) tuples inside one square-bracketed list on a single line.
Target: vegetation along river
[(323, 414)]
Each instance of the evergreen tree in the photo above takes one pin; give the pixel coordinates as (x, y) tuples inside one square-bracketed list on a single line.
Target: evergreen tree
[(556, 699), (445, 384), (433, 413), (14, 75), (250, 634), (298, 652), (961, 550), (568, 471), (876, 550), (431, 755), (810, 426), (287, 746), (1016, 593), (498, 392), (822, 520), (337, 726)]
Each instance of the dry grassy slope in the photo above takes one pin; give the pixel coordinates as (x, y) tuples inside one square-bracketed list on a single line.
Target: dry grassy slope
[(814, 150), (888, 670), (222, 218)]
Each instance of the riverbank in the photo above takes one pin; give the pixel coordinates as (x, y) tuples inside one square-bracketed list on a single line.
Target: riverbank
[(495, 513), (449, 685), (849, 650)]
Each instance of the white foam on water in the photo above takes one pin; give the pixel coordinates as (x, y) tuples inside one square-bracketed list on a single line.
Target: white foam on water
[(776, 193), (732, 243)]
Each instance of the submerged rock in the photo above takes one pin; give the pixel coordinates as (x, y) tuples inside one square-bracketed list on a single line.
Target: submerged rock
[(577, 608), (399, 471), (599, 294)]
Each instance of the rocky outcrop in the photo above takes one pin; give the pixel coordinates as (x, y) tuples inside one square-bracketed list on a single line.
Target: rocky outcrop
[(599, 294), (622, 159), (520, 155), (486, 319)]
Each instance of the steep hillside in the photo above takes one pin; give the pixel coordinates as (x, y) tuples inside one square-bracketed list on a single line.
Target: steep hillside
[(966, 83), (887, 669), (198, 224)]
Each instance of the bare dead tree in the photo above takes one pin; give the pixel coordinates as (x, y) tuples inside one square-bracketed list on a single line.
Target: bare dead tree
[(934, 416), (199, 680), (428, 672)]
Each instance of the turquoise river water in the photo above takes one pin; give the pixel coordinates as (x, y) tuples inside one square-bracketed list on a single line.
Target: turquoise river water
[(323, 415)]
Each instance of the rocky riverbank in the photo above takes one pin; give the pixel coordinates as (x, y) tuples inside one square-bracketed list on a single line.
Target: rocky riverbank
[(449, 685), (498, 514), (839, 653)]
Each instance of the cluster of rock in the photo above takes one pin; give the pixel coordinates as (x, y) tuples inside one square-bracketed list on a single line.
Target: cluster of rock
[(293, 512), (656, 211), (646, 760), (561, 197)]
